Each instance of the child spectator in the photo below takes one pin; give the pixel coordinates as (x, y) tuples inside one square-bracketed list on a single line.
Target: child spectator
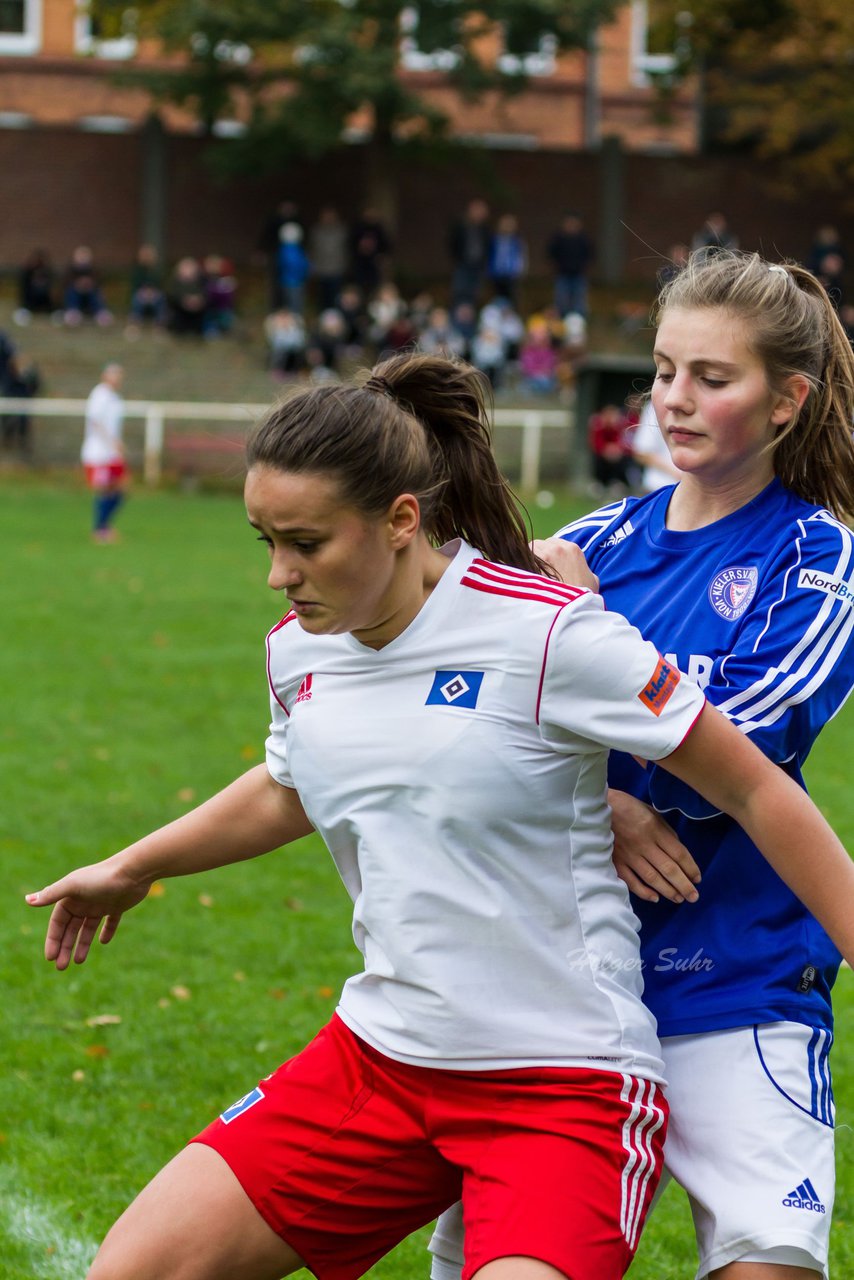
[(439, 337), (489, 354), (294, 267), (500, 314), (538, 360), (352, 308), (327, 343), (384, 310), (286, 340), (464, 320)]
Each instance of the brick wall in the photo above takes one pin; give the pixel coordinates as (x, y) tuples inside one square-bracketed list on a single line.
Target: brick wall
[(66, 187)]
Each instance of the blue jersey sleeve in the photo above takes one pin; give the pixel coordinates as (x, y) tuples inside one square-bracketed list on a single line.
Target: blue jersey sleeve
[(791, 665)]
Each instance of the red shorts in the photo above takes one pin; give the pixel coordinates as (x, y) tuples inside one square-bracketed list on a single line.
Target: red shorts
[(344, 1152), (105, 474)]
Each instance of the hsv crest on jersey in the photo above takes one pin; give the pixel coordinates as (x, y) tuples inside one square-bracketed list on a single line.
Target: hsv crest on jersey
[(304, 691), (731, 591), (242, 1104), (455, 688), (656, 694)]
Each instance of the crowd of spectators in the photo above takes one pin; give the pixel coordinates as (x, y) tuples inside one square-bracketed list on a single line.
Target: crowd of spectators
[(333, 299)]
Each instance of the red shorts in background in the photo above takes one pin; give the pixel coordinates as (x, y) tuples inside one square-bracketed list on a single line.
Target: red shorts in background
[(105, 474), (344, 1152)]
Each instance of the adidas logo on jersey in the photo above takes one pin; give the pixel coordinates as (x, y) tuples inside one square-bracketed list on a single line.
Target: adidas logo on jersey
[(304, 691), (804, 1197), (619, 536)]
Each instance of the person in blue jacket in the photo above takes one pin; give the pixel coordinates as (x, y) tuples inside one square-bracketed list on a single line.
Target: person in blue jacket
[(742, 574)]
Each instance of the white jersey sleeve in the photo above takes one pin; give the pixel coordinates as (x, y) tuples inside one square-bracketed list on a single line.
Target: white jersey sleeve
[(604, 685)]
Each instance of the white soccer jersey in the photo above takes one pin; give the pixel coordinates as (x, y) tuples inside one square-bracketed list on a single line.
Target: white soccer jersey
[(458, 778), (104, 414)]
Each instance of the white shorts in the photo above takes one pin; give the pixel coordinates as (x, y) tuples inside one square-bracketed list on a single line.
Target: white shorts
[(750, 1140)]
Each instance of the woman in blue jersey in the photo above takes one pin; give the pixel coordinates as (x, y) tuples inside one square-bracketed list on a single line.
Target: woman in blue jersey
[(442, 720), (743, 576)]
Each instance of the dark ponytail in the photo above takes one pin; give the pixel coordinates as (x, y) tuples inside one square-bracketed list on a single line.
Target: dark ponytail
[(418, 425)]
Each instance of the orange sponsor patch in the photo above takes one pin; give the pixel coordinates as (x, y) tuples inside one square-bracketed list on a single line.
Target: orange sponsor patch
[(657, 692)]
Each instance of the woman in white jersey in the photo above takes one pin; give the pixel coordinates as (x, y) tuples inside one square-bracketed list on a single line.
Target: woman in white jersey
[(441, 715), (743, 576)]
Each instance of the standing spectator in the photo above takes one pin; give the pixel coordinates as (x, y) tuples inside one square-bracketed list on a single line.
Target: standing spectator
[(327, 251), (83, 296), (103, 454), (714, 234), (268, 243), (677, 258), (468, 245), (369, 249), (508, 258), (147, 295), (35, 287), (352, 307), (294, 267), (17, 380), (220, 295), (187, 298), (571, 253), (608, 434)]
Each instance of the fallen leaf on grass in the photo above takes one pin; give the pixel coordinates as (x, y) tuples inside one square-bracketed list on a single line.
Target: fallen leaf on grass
[(97, 1051), (248, 752), (206, 900), (186, 794), (278, 994), (163, 1003), (324, 992), (239, 976), (78, 1076), (294, 904), (103, 1020), (180, 992), (157, 890)]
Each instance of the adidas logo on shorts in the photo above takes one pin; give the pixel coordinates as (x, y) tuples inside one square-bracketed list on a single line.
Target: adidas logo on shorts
[(804, 1197)]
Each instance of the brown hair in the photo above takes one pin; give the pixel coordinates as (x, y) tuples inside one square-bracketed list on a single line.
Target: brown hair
[(418, 425), (792, 328)]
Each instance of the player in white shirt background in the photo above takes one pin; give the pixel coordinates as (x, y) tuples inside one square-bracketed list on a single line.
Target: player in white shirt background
[(441, 714), (742, 575), (103, 454)]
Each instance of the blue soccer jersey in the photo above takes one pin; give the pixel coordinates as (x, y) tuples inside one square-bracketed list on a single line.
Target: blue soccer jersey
[(758, 608)]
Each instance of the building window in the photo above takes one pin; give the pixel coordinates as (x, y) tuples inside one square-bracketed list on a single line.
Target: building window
[(655, 42), (418, 51), (538, 60), (109, 35), (20, 26)]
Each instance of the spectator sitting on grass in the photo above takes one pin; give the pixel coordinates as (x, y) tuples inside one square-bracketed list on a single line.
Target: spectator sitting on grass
[(220, 295), (83, 296), (187, 298)]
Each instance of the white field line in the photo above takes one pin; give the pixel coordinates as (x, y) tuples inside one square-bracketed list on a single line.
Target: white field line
[(54, 1253)]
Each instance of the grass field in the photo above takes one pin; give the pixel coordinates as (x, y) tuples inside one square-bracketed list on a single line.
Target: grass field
[(134, 686)]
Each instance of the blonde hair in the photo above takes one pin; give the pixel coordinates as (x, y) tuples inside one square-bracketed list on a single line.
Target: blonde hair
[(793, 329)]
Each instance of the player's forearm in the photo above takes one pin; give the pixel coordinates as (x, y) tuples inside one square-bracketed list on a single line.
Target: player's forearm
[(250, 817), (791, 833)]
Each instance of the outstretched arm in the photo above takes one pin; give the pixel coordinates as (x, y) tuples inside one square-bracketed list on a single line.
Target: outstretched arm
[(724, 766), (251, 816)]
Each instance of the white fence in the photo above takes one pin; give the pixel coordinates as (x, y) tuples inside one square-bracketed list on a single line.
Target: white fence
[(155, 414)]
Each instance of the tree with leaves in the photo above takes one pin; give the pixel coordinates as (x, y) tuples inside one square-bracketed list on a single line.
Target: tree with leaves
[(299, 73), (777, 79)]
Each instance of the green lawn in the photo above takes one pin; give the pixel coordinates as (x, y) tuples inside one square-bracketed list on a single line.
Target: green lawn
[(134, 686)]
